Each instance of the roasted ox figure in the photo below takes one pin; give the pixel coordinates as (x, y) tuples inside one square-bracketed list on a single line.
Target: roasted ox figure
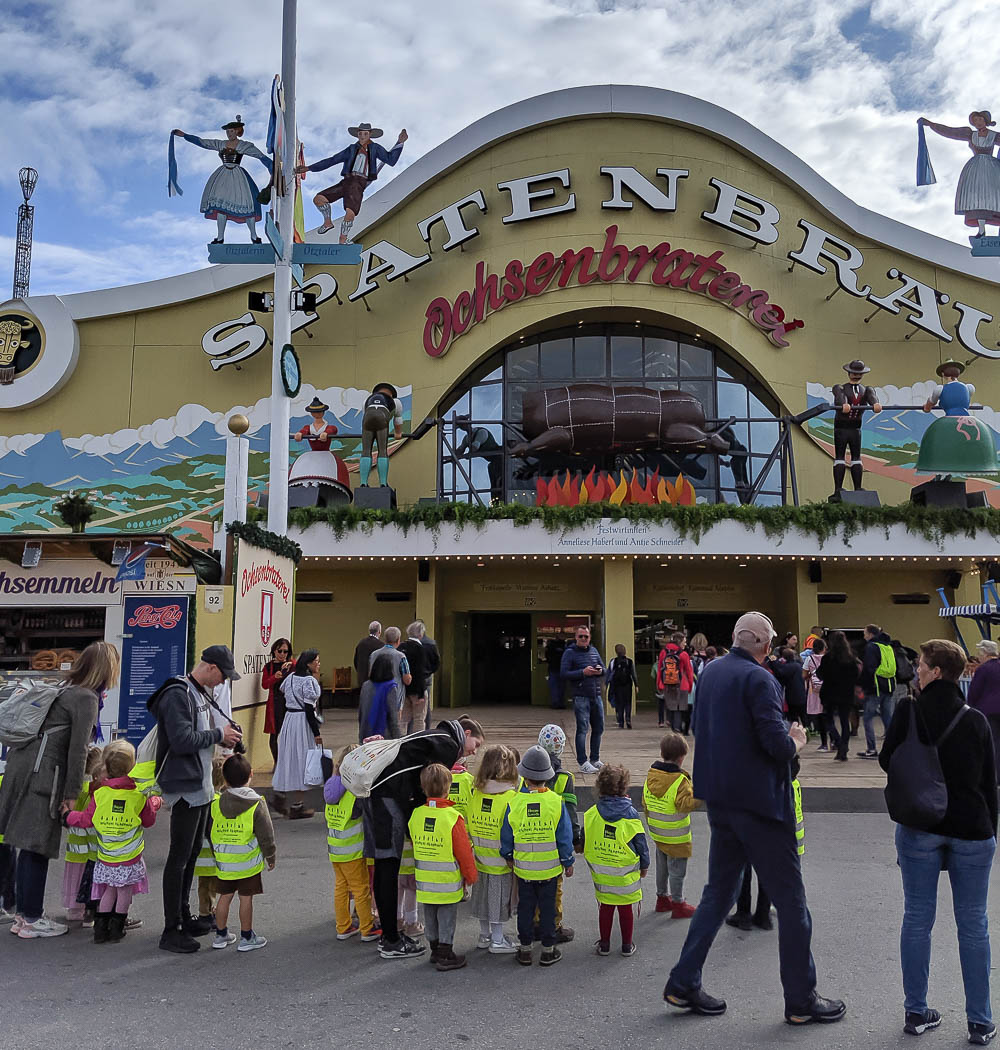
[(593, 418)]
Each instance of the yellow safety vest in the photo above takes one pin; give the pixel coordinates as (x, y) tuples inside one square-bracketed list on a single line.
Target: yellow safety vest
[(559, 787), (463, 784), (204, 866), (117, 823), (439, 878), (81, 843), (666, 825), (484, 820), (345, 837), (533, 817), (144, 775), (800, 824), (614, 865), (237, 852), (407, 865)]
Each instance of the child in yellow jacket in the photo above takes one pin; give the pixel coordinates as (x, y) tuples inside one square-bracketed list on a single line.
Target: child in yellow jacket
[(668, 800)]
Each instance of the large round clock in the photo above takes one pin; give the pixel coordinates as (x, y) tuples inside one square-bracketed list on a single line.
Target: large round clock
[(291, 372)]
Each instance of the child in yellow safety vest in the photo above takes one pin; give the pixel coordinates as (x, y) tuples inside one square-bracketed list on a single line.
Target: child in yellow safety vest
[(81, 849), (495, 784), (444, 862), (536, 835), (614, 847), (553, 738), (118, 812), (242, 837), (204, 866), (668, 800), (345, 845)]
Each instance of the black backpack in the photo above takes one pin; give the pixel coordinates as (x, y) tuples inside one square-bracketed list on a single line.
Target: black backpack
[(904, 666), (620, 674), (916, 794)]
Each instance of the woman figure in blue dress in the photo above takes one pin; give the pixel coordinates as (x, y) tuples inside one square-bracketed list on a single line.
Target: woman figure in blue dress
[(952, 396), (230, 192)]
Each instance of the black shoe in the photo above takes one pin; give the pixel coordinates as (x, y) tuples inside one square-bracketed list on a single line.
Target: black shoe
[(917, 1024), (401, 949), (176, 940), (741, 920), (867, 754), (818, 1009), (629, 726), (524, 954), (116, 928), (101, 921), (550, 956), (198, 927), (698, 1001), (981, 1034), (763, 922), (564, 934)]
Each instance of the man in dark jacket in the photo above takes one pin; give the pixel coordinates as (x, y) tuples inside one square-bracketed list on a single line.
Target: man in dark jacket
[(413, 714), (583, 668), (371, 643), (185, 744), (741, 770), (878, 689)]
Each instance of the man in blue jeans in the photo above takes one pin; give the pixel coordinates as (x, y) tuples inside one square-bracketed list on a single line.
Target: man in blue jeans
[(583, 668), (878, 689)]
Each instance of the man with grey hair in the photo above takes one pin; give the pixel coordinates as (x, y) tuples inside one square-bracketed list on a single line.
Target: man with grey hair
[(400, 665), (371, 643), (413, 715), (742, 758), (984, 689), (432, 661)]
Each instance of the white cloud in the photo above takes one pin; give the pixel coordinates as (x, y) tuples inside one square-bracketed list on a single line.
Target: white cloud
[(18, 443)]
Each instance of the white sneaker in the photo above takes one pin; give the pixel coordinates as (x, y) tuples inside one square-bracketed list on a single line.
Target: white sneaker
[(352, 932), (6, 916), (255, 942), (18, 923), (223, 940), (598, 765), (484, 941), (587, 767), (42, 927), (505, 947)]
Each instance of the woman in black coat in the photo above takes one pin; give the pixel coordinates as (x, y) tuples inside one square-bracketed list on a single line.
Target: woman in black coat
[(838, 671)]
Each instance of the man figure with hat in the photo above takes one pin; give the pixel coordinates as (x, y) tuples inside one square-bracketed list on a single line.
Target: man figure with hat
[(185, 745), (360, 166), (382, 406), (954, 397), (319, 432), (742, 772), (849, 398)]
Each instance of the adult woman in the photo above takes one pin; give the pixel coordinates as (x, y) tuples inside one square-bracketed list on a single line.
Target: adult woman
[(274, 673), (977, 195), (378, 708), (230, 193), (838, 671), (300, 731), (962, 843), (984, 690), (814, 705), (43, 779)]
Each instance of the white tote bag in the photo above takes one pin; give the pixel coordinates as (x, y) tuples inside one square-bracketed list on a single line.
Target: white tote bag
[(314, 765)]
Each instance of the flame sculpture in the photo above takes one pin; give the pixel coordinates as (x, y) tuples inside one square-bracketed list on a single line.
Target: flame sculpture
[(572, 489)]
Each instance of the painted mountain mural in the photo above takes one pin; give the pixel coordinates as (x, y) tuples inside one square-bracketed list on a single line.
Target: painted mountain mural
[(890, 441), (166, 474)]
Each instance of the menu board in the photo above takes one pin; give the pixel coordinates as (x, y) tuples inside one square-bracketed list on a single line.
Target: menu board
[(154, 647)]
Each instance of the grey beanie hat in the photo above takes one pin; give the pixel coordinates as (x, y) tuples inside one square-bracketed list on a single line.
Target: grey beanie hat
[(536, 765)]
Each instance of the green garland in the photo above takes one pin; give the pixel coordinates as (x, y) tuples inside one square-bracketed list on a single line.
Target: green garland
[(821, 520), (252, 533)]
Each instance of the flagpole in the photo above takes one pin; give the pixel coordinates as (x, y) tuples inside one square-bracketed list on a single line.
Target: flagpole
[(277, 498)]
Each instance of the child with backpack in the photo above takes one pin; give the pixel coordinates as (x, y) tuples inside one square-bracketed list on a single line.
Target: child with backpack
[(81, 851), (674, 679), (616, 852), (118, 812), (621, 679), (445, 864)]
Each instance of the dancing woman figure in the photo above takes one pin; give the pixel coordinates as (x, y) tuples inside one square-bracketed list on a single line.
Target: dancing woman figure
[(977, 195)]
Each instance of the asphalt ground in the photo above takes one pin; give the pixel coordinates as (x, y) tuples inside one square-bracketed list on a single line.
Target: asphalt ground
[(305, 989)]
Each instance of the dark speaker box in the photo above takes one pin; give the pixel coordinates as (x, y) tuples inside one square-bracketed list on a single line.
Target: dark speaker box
[(860, 498), (976, 499), (939, 493), (375, 498), (815, 572), (423, 570), (952, 579)]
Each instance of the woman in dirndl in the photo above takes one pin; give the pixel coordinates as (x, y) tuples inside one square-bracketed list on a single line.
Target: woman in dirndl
[(977, 196), (299, 732)]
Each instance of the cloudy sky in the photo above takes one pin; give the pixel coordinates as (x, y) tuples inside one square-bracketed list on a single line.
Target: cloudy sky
[(89, 92)]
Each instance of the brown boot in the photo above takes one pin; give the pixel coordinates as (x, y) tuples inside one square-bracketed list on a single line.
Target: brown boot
[(299, 812), (435, 951), (448, 960)]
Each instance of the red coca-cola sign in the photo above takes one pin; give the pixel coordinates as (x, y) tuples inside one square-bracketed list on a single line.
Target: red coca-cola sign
[(166, 616)]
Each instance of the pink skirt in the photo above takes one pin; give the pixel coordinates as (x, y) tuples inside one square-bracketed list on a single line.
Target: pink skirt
[(115, 875)]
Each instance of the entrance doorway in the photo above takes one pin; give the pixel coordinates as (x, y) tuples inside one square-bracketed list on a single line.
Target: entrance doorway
[(500, 658), (716, 627)]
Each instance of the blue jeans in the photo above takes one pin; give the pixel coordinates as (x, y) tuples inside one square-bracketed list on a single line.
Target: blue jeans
[(739, 838), (29, 884), (921, 857), (877, 707), (589, 713)]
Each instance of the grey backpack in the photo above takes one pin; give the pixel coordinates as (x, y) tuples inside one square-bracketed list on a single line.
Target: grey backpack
[(23, 712)]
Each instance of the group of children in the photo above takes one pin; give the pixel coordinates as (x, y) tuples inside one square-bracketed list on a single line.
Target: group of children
[(504, 838)]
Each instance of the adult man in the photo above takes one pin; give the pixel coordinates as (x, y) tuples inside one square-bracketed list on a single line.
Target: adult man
[(382, 407), (984, 689), (371, 643), (400, 665), (878, 680), (413, 715), (360, 166), (850, 397), (583, 668), (432, 661), (741, 770), (185, 744)]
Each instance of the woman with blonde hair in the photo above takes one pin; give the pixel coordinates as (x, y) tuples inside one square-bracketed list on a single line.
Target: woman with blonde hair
[(43, 779)]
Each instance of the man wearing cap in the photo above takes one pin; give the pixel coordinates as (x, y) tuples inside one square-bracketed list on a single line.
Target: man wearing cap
[(382, 407), (849, 398), (360, 166), (185, 745), (741, 771)]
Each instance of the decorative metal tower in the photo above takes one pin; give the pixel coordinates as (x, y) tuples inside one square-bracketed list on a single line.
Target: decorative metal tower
[(28, 177)]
